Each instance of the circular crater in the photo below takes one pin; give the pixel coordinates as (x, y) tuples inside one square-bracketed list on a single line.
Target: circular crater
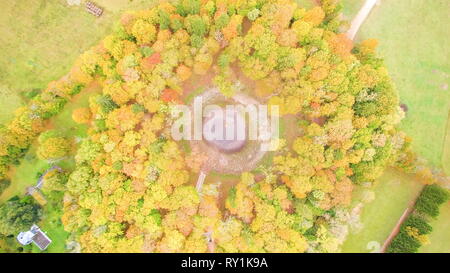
[(232, 123), (235, 153)]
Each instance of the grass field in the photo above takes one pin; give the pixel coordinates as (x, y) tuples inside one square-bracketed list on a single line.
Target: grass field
[(9, 102), (394, 192), (44, 41), (51, 223), (446, 150), (351, 8), (440, 237), (24, 175)]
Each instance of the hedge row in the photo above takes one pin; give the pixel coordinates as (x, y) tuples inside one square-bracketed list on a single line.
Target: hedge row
[(414, 230), (431, 198)]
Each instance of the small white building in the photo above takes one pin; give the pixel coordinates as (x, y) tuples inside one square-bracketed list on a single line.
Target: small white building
[(34, 235)]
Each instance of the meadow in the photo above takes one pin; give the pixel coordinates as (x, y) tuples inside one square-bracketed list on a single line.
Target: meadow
[(41, 40), (446, 151)]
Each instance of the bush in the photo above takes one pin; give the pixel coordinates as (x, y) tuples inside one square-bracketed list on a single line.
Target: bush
[(430, 200), (52, 146), (403, 243), (54, 180), (31, 93), (419, 223), (106, 103), (4, 184)]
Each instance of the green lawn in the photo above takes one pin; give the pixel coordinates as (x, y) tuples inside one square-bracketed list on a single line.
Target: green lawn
[(394, 192), (9, 102), (440, 237), (351, 8), (24, 175), (414, 37), (446, 152), (64, 122), (52, 225)]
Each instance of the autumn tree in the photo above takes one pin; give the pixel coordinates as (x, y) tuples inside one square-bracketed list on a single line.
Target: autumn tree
[(18, 215), (81, 115), (54, 180), (52, 145)]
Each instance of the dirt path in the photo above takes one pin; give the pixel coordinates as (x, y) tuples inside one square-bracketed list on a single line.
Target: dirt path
[(396, 229), (200, 181), (361, 17)]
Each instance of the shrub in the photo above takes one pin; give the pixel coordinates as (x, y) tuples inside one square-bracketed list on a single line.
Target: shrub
[(53, 146), (4, 184), (430, 199), (54, 180), (403, 243), (419, 223), (31, 93), (106, 103)]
